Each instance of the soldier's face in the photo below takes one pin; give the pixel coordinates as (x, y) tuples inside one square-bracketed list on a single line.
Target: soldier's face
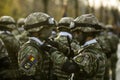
[(45, 32), (79, 36)]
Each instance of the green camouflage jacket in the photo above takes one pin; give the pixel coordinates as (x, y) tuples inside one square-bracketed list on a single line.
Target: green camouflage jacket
[(12, 45), (90, 62), (33, 62)]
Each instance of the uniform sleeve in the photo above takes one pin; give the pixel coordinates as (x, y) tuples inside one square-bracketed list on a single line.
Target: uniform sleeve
[(3, 50), (113, 40), (4, 60), (75, 47), (87, 63), (58, 58), (28, 60), (65, 64), (105, 45)]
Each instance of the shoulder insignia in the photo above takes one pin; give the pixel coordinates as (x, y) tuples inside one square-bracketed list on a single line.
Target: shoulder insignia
[(28, 62)]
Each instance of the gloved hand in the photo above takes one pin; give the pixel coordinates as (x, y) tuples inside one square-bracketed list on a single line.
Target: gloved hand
[(48, 48), (71, 54), (5, 62), (53, 43)]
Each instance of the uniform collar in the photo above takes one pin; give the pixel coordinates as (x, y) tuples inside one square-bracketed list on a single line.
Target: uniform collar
[(65, 34), (90, 42), (36, 39), (21, 28), (5, 32)]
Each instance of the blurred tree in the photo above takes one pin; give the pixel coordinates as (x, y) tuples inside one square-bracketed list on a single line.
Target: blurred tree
[(87, 7), (26, 7), (64, 8), (115, 14), (76, 8), (36, 5), (3, 3), (101, 13), (92, 10), (59, 8), (45, 4)]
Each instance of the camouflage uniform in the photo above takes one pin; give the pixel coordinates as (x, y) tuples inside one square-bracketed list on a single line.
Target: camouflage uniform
[(113, 40), (7, 24), (4, 61), (54, 32), (63, 46), (105, 45), (64, 34), (92, 51), (89, 64), (108, 41), (34, 61), (20, 32)]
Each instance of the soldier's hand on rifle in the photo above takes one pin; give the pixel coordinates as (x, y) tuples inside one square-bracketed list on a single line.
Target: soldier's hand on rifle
[(48, 48), (71, 54), (53, 43)]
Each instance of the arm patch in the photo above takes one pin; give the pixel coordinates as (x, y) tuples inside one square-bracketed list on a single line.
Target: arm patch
[(28, 58), (28, 62)]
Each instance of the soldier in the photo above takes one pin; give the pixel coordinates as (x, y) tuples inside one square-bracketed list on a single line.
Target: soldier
[(89, 64), (62, 46), (34, 61), (54, 32), (4, 61), (7, 24), (103, 41), (108, 41), (113, 40), (21, 34), (63, 33), (105, 45), (85, 30), (20, 22)]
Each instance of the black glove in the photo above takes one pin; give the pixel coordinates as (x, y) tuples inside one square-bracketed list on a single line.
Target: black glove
[(71, 54), (53, 43), (5, 62), (70, 67), (48, 48)]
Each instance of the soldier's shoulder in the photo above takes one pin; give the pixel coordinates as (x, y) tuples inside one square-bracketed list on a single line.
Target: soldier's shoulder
[(27, 58), (29, 47)]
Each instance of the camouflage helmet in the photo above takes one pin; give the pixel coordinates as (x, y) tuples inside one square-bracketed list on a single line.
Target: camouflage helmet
[(64, 23), (109, 26), (20, 22), (102, 25), (36, 21), (7, 23), (86, 23)]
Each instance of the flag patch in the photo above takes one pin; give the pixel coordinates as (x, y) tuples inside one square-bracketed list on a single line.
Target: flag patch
[(32, 59)]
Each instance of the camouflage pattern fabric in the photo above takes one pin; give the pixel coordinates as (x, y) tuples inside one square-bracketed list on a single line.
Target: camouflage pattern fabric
[(20, 35), (91, 61), (4, 61), (33, 62), (12, 46), (105, 44), (63, 47), (114, 40)]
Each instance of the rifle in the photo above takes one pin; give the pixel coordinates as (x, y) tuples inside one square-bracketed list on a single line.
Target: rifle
[(71, 54)]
